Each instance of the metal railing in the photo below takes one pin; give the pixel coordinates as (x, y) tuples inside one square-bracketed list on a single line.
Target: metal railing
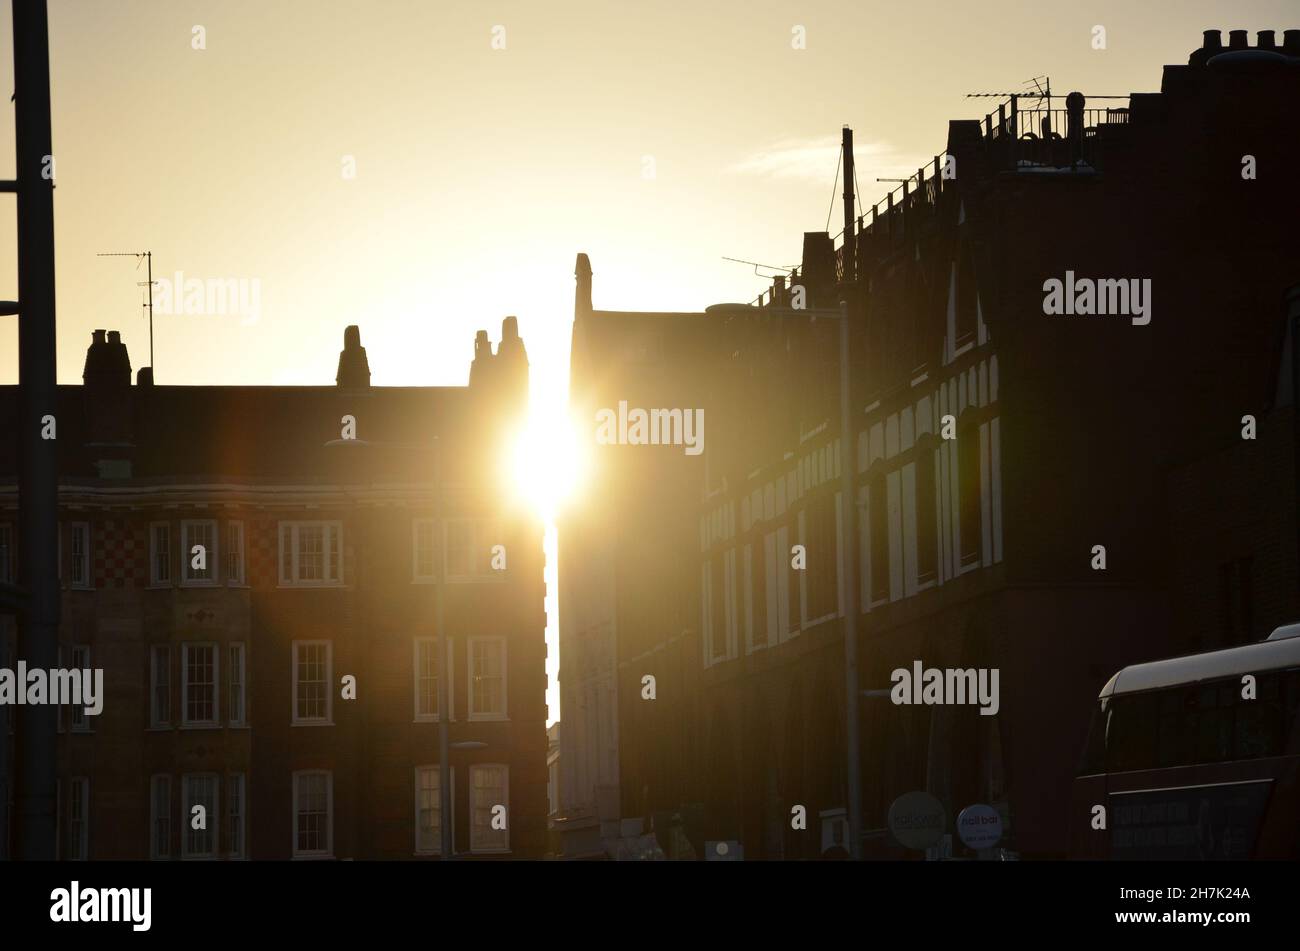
[(1040, 136)]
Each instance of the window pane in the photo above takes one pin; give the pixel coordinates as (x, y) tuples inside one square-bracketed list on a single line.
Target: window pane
[(487, 789), (161, 554), (200, 534), (200, 683), (311, 553), (235, 815), (424, 566), (429, 806), (236, 683), (162, 820), (162, 689), (200, 791), (313, 812), (312, 681), (488, 673), (426, 678)]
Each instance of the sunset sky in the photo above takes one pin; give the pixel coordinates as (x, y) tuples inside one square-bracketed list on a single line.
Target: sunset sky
[(481, 172)]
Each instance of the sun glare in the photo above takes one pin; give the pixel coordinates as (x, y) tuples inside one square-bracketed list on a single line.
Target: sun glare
[(548, 463)]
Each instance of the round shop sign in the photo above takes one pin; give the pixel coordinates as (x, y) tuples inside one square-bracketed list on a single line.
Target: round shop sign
[(917, 820), (979, 826)]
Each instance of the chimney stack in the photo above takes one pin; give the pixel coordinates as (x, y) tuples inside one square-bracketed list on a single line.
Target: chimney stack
[(582, 293), (1212, 45), (354, 368), (106, 400)]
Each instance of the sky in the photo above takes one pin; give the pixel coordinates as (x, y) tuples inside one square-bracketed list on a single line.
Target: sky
[(425, 169)]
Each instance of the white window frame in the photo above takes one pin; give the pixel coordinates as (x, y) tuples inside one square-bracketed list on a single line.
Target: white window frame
[(483, 533), (417, 526), (237, 679), (186, 722), (79, 837), (415, 680), (85, 583), (212, 555), (236, 576), (328, 719), (237, 814), (78, 718), (503, 713), (160, 851), (157, 580), (328, 851), (437, 840), (155, 721), (213, 816), (331, 531), (474, 847)]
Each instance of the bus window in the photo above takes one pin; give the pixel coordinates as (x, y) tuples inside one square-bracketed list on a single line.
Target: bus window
[(1212, 723), (1131, 732), (1094, 752)]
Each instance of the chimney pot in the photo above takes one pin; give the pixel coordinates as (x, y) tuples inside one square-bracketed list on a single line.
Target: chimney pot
[(97, 337), (1266, 40), (354, 368), (1291, 42), (1213, 40), (114, 336), (1238, 40)]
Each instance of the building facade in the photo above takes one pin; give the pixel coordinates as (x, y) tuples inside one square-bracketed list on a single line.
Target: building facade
[(1044, 490), (255, 571)]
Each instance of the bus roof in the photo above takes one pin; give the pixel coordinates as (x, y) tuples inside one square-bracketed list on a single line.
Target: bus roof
[(1281, 650)]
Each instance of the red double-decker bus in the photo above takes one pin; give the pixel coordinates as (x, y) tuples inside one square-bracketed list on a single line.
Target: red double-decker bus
[(1195, 757)]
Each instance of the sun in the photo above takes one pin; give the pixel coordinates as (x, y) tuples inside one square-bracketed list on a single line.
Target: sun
[(547, 461)]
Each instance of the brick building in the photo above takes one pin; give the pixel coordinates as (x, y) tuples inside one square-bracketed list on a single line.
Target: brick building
[(224, 675), (977, 546)]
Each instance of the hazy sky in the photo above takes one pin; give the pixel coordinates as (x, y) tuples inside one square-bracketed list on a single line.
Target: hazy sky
[(481, 172)]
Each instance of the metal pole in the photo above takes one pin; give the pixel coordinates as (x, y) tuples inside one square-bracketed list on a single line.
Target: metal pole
[(445, 671), (148, 256), (849, 532), (1294, 300), (850, 246), (38, 498)]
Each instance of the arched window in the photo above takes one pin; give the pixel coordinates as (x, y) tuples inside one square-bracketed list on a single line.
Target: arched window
[(927, 538), (967, 298), (968, 492), (878, 526)]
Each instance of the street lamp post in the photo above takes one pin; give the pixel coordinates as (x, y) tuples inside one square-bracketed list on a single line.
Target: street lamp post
[(445, 671), (848, 532)]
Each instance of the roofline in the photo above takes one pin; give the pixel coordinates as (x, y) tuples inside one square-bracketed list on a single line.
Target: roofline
[(1254, 658)]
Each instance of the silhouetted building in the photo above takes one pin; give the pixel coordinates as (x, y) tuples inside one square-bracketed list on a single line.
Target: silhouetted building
[(254, 569), (1007, 445)]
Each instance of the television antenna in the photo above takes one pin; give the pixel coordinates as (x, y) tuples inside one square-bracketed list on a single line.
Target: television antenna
[(147, 257)]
